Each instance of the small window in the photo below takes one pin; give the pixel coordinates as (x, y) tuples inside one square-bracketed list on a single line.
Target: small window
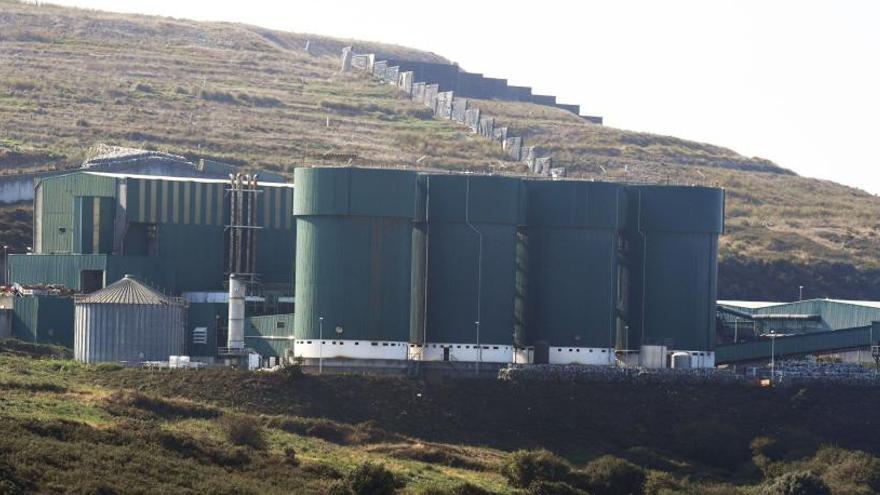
[(495, 347), (458, 347), (374, 343), (309, 342), (357, 343), (279, 324)]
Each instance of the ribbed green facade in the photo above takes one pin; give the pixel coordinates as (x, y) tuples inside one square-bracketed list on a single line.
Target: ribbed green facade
[(270, 335), (43, 319), (170, 232), (673, 249), (573, 263), (353, 253), (471, 258)]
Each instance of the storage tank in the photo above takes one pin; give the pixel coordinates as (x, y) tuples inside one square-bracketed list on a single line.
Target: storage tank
[(674, 250), (127, 322), (573, 308), (353, 262), (471, 267)]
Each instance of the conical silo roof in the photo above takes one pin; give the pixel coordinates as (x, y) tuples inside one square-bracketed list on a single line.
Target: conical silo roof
[(128, 290)]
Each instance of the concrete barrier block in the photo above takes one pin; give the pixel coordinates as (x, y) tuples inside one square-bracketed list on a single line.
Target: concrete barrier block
[(405, 82), (379, 69), (472, 119), (431, 91), (487, 127), (347, 55), (418, 92), (443, 108), (542, 165), (512, 146), (391, 75), (459, 109), (499, 134)]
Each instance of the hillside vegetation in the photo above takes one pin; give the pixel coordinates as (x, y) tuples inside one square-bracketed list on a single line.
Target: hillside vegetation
[(73, 428), (254, 97)]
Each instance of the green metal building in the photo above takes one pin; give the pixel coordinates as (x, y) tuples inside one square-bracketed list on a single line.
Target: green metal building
[(574, 306), (472, 225), (354, 262), (91, 228), (672, 257)]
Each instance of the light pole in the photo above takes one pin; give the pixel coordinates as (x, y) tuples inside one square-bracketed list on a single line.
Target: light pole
[(479, 347), (5, 264), (321, 345), (800, 292), (773, 356)]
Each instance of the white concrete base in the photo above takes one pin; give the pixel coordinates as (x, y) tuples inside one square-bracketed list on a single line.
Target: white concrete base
[(350, 349), (582, 355), (487, 353)]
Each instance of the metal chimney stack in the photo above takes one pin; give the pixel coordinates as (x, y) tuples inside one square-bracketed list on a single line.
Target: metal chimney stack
[(237, 290)]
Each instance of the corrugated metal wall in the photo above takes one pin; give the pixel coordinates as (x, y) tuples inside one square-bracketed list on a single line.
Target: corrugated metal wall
[(494, 207), (673, 239), (128, 332), (572, 262), (270, 335), (354, 242), (43, 319), (57, 196)]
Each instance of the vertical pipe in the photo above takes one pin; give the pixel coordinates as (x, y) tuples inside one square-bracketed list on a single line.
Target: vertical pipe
[(253, 224), (235, 338), (467, 220), (246, 232)]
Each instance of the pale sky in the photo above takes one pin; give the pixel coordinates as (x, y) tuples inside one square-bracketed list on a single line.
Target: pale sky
[(796, 82)]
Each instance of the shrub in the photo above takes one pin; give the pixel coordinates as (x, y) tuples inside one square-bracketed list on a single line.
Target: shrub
[(338, 487), (460, 489), (553, 488), (290, 456), (797, 483), (714, 443), (144, 406), (612, 476), (142, 87), (524, 467), (372, 479), (244, 431), (218, 96), (848, 471)]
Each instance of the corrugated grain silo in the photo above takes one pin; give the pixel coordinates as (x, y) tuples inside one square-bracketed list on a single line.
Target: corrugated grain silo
[(472, 226), (674, 250), (574, 308), (353, 262), (127, 322)]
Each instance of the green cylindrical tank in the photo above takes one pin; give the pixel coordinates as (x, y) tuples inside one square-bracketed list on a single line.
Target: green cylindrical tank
[(674, 254), (471, 267), (353, 262), (573, 308)]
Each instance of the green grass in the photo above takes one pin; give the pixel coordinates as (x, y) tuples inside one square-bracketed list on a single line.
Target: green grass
[(77, 428)]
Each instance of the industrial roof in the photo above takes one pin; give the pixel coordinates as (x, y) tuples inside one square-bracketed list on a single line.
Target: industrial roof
[(181, 179), (765, 304), (749, 304), (128, 290)]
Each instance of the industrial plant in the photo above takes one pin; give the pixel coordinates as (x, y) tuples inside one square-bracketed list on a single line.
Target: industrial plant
[(358, 266)]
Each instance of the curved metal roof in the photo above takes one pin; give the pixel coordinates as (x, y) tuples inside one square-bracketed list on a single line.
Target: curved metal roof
[(128, 290)]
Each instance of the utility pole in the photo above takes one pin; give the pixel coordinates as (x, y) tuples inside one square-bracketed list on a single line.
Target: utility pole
[(800, 293), (5, 264)]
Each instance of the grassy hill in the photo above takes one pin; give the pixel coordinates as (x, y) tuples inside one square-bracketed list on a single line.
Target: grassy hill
[(250, 96), (73, 428)]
